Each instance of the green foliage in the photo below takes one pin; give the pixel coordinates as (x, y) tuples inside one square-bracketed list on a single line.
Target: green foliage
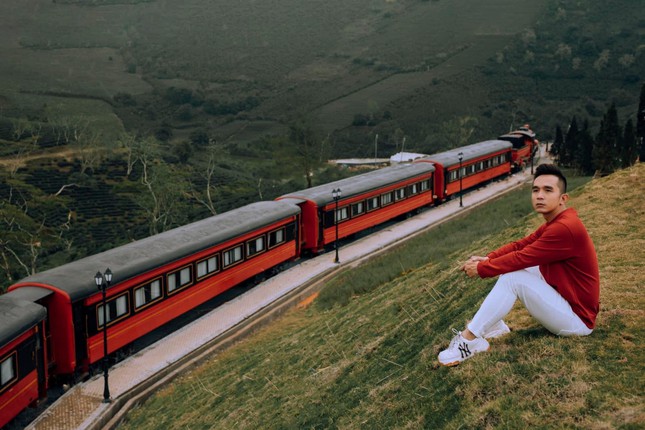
[(606, 151)]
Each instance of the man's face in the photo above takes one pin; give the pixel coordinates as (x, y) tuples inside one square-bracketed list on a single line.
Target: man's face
[(547, 198)]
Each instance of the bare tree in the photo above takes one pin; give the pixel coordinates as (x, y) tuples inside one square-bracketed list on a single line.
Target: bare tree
[(164, 187), (308, 149), (207, 198), (129, 142)]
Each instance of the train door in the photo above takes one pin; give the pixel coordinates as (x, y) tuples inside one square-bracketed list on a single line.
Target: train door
[(41, 355), (80, 336)]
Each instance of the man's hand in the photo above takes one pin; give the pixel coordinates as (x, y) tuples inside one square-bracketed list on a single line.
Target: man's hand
[(470, 267)]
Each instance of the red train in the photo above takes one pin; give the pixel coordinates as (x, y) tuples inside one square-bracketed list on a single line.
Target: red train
[(161, 277), (23, 374), (525, 146)]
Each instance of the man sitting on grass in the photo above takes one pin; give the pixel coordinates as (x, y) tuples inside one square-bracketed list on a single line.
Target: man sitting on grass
[(553, 271)]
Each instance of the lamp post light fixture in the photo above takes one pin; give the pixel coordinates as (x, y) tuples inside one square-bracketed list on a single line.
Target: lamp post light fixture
[(103, 281), (461, 201), (336, 193)]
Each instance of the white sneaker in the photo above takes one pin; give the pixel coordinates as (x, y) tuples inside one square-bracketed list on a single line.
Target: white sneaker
[(496, 330), (461, 349)]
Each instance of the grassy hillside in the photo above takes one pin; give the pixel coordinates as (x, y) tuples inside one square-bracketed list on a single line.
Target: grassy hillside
[(371, 363)]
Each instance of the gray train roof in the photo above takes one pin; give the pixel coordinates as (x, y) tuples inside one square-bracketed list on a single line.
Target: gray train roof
[(16, 316), (77, 278), (470, 152), (322, 194)]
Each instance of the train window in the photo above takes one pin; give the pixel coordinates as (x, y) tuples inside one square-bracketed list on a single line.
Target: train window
[(470, 169), (276, 237), (255, 246), (480, 166), (116, 308), (206, 267), (386, 199), (179, 279), (425, 185), (342, 214), (413, 189), (372, 203), (453, 176), (399, 194), (147, 293), (358, 208), (8, 370), (232, 256)]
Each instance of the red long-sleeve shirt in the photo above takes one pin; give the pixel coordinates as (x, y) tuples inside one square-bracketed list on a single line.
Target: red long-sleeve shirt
[(567, 259)]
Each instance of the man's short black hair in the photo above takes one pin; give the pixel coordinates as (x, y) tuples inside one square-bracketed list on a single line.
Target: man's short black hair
[(552, 169)]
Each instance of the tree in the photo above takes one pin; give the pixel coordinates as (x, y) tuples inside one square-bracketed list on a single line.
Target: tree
[(640, 125), (628, 145), (584, 159), (558, 143), (164, 187), (206, 199), (605, 150), (570, 147), (459, 130), (309, 149), (31, 225)]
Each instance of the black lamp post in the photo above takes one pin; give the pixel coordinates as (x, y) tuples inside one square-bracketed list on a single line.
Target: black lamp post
[(102, 286), (336, 193), (461, 201)]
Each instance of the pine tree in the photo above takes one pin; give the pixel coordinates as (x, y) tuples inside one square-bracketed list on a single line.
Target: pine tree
[(628, 145), (640, 125), (558, 142), (571, 144), (605, 151), (584, 159)]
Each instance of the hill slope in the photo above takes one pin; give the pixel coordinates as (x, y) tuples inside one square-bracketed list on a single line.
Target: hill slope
[(372, 362)]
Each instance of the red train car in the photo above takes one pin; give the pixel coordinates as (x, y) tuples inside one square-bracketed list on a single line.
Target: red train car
[(159, 278), (23, 374), (480, 162), (366, 201), (524, 146)]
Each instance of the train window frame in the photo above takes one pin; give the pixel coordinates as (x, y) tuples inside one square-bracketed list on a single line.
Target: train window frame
[(213, 257), (147, 303), (373, 203), (253, 252), (181, 286), (342, 214), (99, 311), (234, 262), (425, 185), (414, 188), (399, 194), (273, 240), (13, 359), (387, 198), (358, 208)]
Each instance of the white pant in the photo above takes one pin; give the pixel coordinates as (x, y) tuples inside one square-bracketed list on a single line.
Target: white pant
[(542, 301)]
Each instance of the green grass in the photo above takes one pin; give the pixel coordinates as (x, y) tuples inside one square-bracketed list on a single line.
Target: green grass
[(371, 361)]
